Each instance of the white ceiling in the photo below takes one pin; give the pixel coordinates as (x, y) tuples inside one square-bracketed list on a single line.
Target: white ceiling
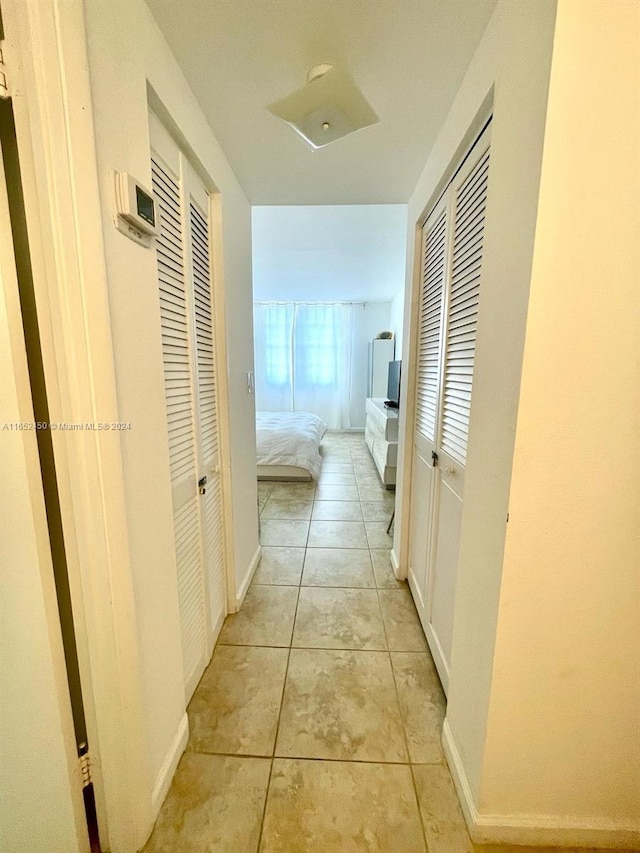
[(407, 56), (336, 253)]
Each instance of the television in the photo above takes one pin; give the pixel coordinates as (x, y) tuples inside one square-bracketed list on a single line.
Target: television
[(393, 385)]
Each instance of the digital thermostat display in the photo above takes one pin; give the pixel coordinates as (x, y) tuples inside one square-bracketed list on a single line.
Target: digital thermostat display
[(145, 206), (136, 208)]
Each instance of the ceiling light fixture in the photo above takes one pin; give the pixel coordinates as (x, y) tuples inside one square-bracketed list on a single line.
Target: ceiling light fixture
[(327, 108)]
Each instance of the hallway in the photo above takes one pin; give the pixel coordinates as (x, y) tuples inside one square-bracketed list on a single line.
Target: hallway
[(321, 697), (317, 725)]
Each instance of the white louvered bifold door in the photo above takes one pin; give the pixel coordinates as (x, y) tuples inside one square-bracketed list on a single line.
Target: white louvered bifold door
[(428, 370), (186, 315), (212, 507), (452, 261), (175, 320), (470, 201)]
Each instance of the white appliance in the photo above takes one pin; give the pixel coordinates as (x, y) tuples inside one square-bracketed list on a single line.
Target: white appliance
[(381, 352)]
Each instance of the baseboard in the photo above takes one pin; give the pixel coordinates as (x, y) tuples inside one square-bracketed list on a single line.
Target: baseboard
[(460, 781), (164, 777), (555, 831), (253, 565), (533, 830), (395, 563)]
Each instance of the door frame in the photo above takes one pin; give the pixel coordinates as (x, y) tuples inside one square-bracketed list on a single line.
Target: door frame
[(37, 582), (48, 76)]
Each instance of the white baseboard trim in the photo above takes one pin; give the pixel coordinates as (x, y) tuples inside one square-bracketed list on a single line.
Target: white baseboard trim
[(533, 830), (460, 781), (253, 565), (395, 563), (555, 831), (164, 777)]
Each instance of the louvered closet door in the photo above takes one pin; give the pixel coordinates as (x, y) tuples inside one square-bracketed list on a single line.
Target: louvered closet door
[(207, 399), (186, 311), (443, 404), (435, 235)]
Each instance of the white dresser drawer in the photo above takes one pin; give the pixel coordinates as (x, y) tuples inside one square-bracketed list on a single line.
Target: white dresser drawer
[(384, 420), (381, 437)]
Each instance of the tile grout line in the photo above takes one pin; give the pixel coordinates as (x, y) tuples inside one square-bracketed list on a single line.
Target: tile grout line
[(284, 685), (402, 722)]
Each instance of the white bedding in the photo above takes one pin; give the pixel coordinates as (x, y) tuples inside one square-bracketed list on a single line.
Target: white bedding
[(290, 438)]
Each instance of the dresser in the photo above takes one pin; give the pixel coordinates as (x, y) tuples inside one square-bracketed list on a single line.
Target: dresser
[(381, 436)]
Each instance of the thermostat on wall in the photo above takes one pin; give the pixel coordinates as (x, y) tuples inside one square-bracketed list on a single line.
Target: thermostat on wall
[(136, 207)]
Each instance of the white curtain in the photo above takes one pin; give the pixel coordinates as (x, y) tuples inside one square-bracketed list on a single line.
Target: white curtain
[(303, 359)]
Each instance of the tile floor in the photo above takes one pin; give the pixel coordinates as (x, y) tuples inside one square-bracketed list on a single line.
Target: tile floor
[(317, 725)]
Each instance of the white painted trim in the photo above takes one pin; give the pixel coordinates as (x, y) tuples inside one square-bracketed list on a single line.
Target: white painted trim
[(168, 769), (555, 831), (244, 587), (395, 565), (533, 830), (437, 653), (460, 781), (55, 131)]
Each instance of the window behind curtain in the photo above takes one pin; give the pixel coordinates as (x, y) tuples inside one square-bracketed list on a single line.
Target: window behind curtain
[(316, 346), (278, 328), (303, 359)]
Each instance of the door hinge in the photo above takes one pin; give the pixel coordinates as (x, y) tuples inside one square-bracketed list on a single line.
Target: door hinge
[(85, 764), (5, 91), (434, 458)]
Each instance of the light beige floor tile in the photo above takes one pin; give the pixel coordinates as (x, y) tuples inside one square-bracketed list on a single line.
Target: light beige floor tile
[(336, 478), (264, 488), (266, 618), (337, 511), (364, 467), (288, 508), (340, 705), (236, 706), (337, 534), (335, 453), (377, 535), (338, 619), (283, 533), (404, 631), (385, 579), (294, 491), (337, 493), (367, 476), (340, 807), (337, 467), (338, 567), (422, 705), (377, 494), (215, 803), (444, 826), (281, 566), (376, 511)]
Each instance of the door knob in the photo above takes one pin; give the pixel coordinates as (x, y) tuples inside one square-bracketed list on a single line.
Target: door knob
[(202, 482)]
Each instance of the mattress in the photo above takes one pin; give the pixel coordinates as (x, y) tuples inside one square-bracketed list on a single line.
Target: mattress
[(290, 439)]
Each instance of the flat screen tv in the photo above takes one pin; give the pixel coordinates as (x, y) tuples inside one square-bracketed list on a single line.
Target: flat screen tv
[(393, 385)]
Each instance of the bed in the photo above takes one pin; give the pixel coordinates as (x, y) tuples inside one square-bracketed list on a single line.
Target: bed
[(288, 445)]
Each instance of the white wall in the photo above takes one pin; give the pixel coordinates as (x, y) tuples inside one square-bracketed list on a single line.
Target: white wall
[(562, 736), (127, 52), (368, 320), (329, 253), (511, 65), (396, 321)]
